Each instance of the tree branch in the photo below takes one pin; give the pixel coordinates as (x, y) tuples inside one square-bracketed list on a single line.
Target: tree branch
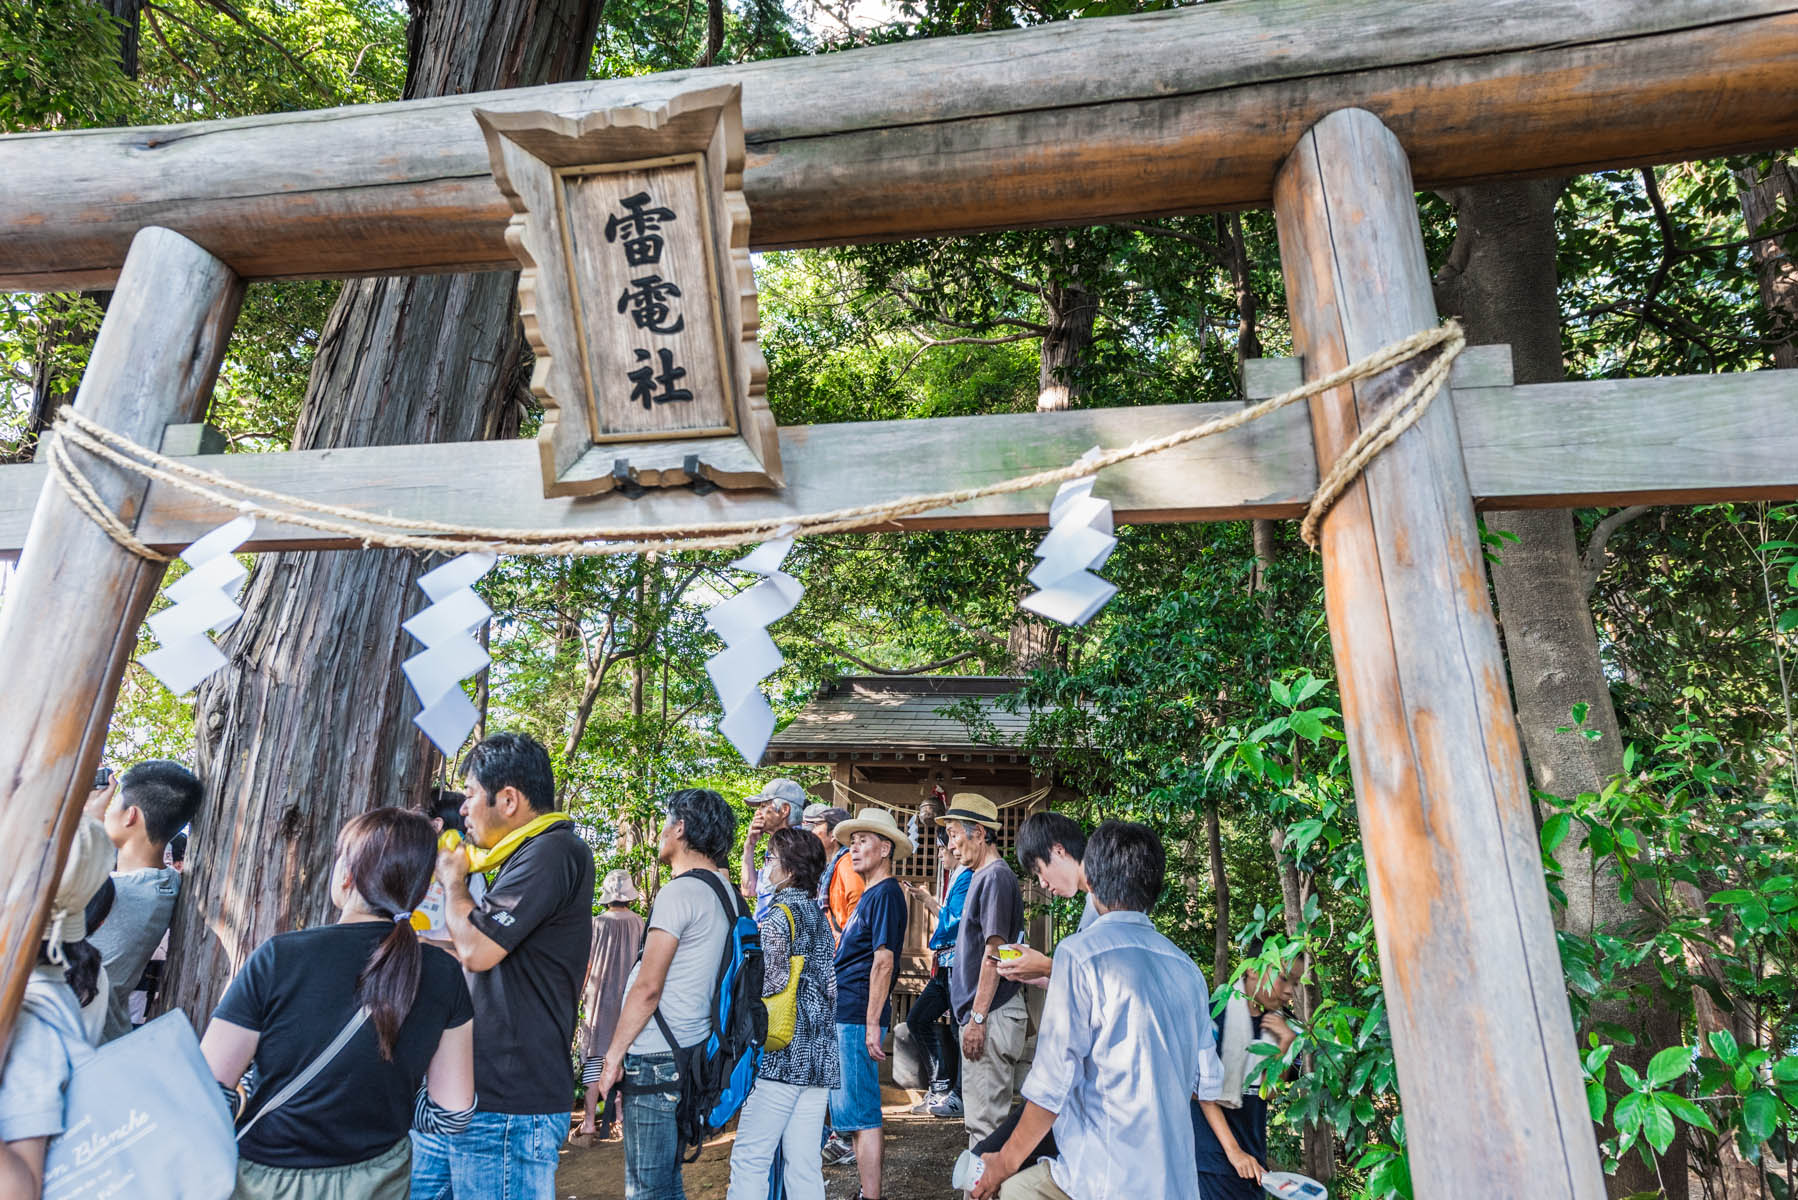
[(1598, 546), (910, 301), (984, 634), (1212, 249), (156, 32), (880, 670), (1000, 340), (242, 19)]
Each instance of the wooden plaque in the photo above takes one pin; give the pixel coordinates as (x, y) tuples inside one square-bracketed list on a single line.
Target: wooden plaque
[(637, 293)]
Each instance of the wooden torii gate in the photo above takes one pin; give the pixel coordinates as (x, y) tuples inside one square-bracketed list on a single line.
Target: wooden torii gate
[(1333, 111)]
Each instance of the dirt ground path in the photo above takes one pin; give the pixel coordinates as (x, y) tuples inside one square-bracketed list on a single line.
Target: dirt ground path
[(920, 1153)]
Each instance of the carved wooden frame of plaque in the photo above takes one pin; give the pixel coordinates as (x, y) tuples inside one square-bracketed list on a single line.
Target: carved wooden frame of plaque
[(535, 156)]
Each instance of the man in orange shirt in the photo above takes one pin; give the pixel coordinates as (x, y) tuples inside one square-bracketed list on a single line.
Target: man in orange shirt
[(839, 888)]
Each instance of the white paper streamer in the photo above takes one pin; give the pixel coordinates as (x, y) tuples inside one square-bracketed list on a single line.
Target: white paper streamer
[(205, 600), (750, 655), (1078, 543), (451, 653)]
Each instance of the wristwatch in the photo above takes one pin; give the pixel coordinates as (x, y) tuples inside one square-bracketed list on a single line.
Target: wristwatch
[(979, 1018)]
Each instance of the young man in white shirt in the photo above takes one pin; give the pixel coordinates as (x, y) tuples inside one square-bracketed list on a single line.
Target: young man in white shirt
[(678, 974), (1125, 1041)]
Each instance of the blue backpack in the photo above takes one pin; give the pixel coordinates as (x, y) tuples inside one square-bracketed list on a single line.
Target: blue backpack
[(715, 1075)]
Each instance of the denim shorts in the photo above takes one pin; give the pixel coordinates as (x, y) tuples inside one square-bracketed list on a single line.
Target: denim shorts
[(855, 1103)]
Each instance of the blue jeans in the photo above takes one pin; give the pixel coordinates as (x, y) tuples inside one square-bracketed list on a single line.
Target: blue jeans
[(651, 1135), (500, 1156)]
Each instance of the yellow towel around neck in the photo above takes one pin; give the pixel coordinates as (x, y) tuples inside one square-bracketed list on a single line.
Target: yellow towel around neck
[(483, 861)]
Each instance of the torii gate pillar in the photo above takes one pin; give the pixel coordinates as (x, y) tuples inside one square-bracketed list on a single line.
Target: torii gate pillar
[(71, 617), (1487, 1062)]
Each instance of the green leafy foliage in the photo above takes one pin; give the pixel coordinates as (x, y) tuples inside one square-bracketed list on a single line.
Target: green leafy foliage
[(1204, 689)]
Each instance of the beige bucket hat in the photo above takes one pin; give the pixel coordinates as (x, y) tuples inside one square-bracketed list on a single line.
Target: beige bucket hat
[(876, 821), (618, 888)]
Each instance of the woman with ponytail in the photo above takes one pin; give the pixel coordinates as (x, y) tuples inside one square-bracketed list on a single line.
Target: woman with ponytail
[(332, 1124)]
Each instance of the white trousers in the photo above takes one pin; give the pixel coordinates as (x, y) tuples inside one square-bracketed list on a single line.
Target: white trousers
[(787, 1116)]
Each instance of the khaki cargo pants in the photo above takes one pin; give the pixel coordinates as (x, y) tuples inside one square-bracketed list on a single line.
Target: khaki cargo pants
[(989, 1085)]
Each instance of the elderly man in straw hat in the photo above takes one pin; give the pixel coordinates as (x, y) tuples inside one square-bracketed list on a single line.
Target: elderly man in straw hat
[(867, 957), (617, 936), (989, 1008)]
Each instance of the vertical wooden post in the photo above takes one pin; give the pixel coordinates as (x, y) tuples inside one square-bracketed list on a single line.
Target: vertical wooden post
[(1487, 1064), (70, 621)]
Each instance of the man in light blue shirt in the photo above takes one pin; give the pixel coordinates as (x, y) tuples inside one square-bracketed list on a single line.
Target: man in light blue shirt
[(1126, 1039)]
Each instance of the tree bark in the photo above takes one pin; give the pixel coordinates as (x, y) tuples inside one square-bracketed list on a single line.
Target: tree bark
[(1319, 1136), (129, 16), (1220, 890), (311, 722), (1070, 311), (1763, 194), (1501, 281)]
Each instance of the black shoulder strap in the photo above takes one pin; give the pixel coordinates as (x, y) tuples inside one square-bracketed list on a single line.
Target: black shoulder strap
[(731, 913)]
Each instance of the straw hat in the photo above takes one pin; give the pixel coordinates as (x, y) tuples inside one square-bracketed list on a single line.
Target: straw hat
[(90, 860), (618, 888), (972, 806), (880, 822)]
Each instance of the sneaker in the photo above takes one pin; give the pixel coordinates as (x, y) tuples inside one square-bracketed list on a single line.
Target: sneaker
[(837, 1151), (949, 1105), (938, 1089)]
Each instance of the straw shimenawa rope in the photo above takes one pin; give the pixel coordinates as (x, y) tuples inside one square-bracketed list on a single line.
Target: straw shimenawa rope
[(407, 533)]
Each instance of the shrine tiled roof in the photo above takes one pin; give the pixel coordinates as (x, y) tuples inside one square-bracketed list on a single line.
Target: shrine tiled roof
[(917, 713)]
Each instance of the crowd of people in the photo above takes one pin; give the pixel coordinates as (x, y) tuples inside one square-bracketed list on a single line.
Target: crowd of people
[(419, 1045)]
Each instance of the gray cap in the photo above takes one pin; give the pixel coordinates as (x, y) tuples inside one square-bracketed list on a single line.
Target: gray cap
[(815, 812), (788, 792)]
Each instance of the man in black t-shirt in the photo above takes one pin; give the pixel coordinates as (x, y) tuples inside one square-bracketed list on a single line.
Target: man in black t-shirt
[(524, 946)]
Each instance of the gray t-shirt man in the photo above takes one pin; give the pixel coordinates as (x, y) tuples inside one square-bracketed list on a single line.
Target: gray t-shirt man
[(143, 904), (689, 910), (995, 908)]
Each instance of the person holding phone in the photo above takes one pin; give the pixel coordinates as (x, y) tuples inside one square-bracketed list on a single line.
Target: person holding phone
[(141, 810), (1051, 846)]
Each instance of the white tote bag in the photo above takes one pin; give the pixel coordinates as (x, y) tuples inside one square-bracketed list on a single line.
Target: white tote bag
[(145, 1120)]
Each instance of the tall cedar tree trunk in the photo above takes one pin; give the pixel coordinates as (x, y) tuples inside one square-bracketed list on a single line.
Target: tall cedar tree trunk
[(1763, 195), (1500, 280), (1070, 311), (312, 721)]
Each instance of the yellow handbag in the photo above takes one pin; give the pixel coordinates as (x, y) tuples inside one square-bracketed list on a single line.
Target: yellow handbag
[(783, 1006)]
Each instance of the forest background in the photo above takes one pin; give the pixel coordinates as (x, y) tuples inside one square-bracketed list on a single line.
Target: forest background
[(1651, 652)]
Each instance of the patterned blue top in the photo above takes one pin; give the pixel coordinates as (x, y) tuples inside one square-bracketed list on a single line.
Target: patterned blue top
[(811, 1059)]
